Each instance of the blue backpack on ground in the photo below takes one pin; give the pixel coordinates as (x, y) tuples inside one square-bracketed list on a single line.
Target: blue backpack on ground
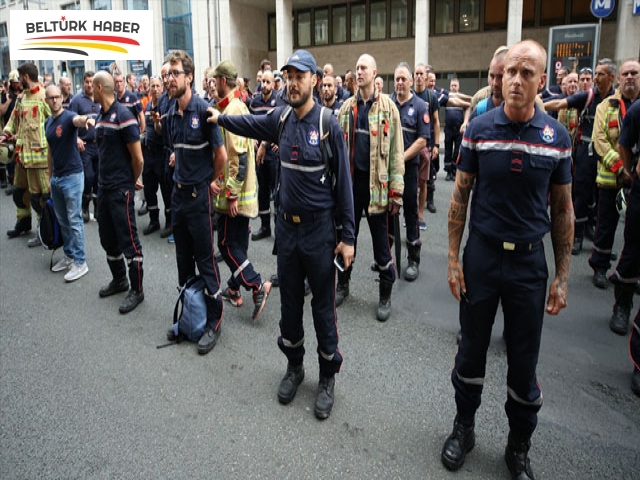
[(192, 316), (48, 227)]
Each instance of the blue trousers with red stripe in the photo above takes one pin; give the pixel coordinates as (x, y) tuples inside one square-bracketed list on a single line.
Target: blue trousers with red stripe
[(192, 218), (306, 250), (233, 243), (119, 234), (518, 280)]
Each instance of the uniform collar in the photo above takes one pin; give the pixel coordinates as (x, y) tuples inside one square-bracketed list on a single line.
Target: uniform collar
[(537, 121), (34, 90)]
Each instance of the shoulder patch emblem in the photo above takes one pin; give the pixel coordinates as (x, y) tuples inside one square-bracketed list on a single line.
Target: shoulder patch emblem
[(113, 117), (313, 137), (548, 134), (426, 118), (195, 121)]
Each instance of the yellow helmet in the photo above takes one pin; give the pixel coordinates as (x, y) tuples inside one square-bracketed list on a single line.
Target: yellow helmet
[(14, 76)]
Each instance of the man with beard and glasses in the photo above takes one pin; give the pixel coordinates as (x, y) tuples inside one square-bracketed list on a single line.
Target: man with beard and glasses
[(199, 159), (312, 193)]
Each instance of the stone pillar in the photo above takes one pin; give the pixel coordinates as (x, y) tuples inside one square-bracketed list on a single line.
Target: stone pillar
[(514, 22), (284, 29), (421, 54), (627, 32)]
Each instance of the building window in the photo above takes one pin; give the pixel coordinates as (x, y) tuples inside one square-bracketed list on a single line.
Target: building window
[(304, 29), (70, 6), (273, 33), (581, 12), (495, 14), (339, 24), (528, 13), (100, 4), (399, 19), (470, 15), (3, 3), (358, 22), (321, 26), (4, 48), (444, 16), (378, 19), (177, 26), (552, 12), (136, 4)]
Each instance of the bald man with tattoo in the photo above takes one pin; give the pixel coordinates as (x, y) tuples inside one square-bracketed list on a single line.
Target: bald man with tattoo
[(516, 158)]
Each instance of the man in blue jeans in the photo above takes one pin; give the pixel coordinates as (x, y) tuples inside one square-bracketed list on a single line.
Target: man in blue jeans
[(67, 182)]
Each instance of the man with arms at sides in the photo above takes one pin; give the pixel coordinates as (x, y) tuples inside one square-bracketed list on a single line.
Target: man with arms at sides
[(518, 160), (65, 90), (199, 161), (67, 182), (121, 164), (305, 228)]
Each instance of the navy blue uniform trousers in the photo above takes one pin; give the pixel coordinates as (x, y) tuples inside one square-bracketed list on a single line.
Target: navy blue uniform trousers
[(153, 176), (233, 243), (119, 234), (584, 181), (378, 226), (410, 204), (518, 280), (192, 219), (267, 175), (606, 225), (306, 250), (452, 139), (90, 166)]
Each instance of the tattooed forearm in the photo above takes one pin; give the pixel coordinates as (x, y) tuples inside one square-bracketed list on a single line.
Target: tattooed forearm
[(562, 228), (458, 212)]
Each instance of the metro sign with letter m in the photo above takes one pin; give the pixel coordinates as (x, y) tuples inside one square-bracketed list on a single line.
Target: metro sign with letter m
[(602, 8)]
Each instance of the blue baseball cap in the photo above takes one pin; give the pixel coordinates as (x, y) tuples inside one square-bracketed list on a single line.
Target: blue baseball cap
[(302, 60)]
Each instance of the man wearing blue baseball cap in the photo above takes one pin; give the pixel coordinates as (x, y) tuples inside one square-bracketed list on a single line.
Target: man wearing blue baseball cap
[(315, 188)]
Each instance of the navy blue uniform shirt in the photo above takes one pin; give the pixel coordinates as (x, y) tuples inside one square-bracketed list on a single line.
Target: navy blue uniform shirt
[(62, 136), (337, 105), (115, 129), (630, 132), (429, 97), (579, 100), (414, 117), (83, 105), (152, 139), (192, 140), (260, 106), (515, 165), (454, 117), (361, 151), (304, 187), (131, 101), (65, 103)]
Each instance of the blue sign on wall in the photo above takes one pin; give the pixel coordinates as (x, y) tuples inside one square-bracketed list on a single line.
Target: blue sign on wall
[(602, 8), (636, 7)]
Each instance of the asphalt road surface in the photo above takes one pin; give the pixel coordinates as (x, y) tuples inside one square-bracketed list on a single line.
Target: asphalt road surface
[(85, 393)]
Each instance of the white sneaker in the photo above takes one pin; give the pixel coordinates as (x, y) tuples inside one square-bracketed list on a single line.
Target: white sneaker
[(76, 272), (63, 264)]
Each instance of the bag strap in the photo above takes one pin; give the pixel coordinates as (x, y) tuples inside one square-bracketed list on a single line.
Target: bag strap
[(283, 118)]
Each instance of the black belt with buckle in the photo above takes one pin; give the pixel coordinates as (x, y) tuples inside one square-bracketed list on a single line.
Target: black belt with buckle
[(304, 217), (90, 142), (508, 246)]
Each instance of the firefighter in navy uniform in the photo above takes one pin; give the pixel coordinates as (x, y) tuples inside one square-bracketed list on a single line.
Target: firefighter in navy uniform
[(121, 162), (415, 133), (520, 162), (311, 193), (628, 267), (199, 161), (453, 120)]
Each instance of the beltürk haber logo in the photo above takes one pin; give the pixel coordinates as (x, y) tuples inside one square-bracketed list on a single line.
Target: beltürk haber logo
[(90, 34)]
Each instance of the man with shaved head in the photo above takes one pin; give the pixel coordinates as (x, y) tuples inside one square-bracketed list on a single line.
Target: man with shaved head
[(520, 162), (65, 91), (372, 127), (121, 161)]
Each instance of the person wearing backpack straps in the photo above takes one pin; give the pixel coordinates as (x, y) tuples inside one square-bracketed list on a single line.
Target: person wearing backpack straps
[(67, 181), (312, 190), (373, 132), (586, 161)]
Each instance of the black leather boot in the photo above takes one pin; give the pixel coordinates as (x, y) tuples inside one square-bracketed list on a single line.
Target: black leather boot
[(289, 383), (342, 289), (214, 326), (384, 304), (86, 199), (324, 397), (517, 459), (619, 322), (154, 221), (413, 268), (459, 443), (23, 225)]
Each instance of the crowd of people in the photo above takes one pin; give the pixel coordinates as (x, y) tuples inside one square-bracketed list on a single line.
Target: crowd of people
[(327, 151)]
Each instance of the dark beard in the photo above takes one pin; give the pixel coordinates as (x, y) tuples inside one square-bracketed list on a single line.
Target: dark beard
[(301, 101)]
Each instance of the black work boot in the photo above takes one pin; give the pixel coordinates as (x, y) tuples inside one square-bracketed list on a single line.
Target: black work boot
[(214, 314), (635, 382), (131, 301), (289, 383), (577, 245), (23, 225), (263, 232), (154, 221), (413, 268), (384, 303), (459, 443), (619, 322), (86, 199), (116, 285), (3, 177), (516, 457), (167, 230), (430, 205), (324, 397), (342, 289)]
